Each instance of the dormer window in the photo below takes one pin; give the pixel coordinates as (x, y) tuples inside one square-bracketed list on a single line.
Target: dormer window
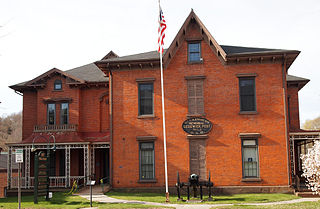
[(57, 85), (194, 52)]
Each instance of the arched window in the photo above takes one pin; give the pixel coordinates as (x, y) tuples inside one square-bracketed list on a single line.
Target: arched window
[(57, 85)]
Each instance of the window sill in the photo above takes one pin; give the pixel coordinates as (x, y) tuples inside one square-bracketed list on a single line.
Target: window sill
[(146, 116), (248, 113), (147, 181), (251, 180), (195, 62)]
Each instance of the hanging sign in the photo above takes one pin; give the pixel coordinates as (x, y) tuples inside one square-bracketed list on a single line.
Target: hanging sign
[(197, 126), (19, 155)]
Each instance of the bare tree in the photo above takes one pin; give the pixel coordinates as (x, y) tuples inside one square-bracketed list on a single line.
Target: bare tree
[(312, 124), (10, 129)]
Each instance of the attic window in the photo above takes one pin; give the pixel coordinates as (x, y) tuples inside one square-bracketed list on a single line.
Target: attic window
[(57, 85), (194, 52)]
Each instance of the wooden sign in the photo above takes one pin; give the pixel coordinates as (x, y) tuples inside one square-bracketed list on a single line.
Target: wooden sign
[(41, 177), (197, 126)]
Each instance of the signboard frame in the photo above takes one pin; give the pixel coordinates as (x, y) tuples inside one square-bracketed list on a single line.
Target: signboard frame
[(197, 126)]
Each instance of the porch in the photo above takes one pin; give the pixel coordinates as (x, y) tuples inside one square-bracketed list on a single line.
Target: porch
[(300, 142), (68, 163)]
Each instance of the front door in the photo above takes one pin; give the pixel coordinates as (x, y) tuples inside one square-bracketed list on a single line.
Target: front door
[(197, 153)]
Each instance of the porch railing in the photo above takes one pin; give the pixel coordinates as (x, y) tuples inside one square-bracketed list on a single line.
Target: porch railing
[(55, 128), (55, 181)]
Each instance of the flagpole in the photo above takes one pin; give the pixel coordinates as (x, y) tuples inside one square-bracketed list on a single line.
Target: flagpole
[(164, 126)]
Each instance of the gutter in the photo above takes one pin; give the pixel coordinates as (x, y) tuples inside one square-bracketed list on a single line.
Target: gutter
[(111, 126), (284, 85)]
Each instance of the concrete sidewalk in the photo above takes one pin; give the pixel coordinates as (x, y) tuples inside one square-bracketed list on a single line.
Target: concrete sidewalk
[(98, 196)]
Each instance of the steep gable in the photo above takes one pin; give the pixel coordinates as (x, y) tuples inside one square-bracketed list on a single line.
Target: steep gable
[(195, 23)]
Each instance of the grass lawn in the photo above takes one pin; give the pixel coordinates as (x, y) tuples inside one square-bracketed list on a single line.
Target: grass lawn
[(221, 199), (303, 205), (60, 200)]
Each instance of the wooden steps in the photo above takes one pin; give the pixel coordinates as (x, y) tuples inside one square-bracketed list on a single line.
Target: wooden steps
[(306, 194)]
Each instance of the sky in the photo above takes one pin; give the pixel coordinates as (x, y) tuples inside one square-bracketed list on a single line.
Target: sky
[(38, 35)]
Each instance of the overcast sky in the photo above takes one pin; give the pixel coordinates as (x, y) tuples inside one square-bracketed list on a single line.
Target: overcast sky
[(38, 35)]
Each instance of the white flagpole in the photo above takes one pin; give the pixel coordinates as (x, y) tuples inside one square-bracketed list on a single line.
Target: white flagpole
[(164, 125)]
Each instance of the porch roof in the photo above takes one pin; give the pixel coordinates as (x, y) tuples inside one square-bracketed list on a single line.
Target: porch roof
[(67, 138)]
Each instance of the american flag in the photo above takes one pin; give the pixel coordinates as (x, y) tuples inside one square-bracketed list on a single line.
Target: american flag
[(161, 29)]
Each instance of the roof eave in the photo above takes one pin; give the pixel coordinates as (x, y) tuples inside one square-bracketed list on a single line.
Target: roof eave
[(301, 83), (282, 52)]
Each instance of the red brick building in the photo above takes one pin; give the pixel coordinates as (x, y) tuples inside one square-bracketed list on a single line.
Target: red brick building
[(110, 124)]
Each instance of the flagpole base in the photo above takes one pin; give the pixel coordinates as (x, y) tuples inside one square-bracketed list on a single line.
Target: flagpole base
[(167, 197)]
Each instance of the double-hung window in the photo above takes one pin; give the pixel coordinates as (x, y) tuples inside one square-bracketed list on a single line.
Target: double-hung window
[(194, 52), (146, 152), (64, 113), (250, 160), (51, 114), (247, 94), (145, 98)]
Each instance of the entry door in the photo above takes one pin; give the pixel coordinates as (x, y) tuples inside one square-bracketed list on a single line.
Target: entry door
[(197, 153)]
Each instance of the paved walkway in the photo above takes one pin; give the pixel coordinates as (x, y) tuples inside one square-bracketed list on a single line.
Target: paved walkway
[(98, 196)]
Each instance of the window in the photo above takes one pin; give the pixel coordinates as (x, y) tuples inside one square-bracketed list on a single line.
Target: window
[(51, 114), (194, 52), (195, 97), (57, 85), (145, 98), (250, 164), (64, 113), (146, 151), (247, 94)]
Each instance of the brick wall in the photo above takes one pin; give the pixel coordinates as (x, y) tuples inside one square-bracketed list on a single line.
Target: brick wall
[(221, 98), (294, 107), (3, 180), (29, 118), (89, 107)]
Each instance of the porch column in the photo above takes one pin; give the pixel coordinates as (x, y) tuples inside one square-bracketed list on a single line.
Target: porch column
[(67, 164), (86, 162), (27, 166), (92, 159), (9, 168)]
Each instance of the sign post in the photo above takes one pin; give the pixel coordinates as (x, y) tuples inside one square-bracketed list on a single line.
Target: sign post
[(19, 160), (91, 183), (41, 176)]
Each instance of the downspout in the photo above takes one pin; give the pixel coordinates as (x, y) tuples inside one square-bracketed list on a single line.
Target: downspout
[(111, 127), (284, 85)]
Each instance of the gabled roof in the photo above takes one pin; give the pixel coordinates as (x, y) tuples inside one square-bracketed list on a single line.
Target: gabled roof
[(227, 54), (48, 74), (85, 74), (88, 73), (111, 54)]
